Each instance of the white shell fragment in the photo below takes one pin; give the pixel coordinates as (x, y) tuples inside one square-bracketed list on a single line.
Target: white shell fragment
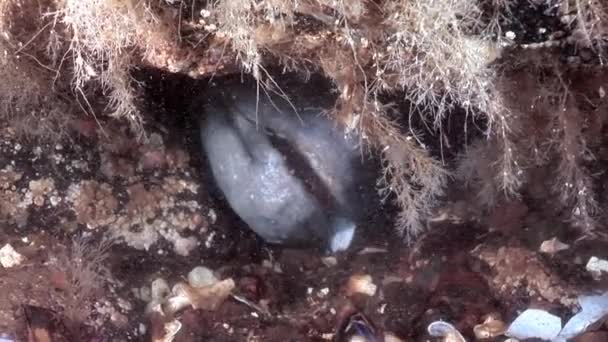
[(553, 246), (597, 266), (171, 329), (176, 303), (593, 308), (9, 257), (330, 261), (490, 328), (535, 323), (207, 298)]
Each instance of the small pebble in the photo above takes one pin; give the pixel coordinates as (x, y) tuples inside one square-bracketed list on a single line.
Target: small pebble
[(9, 257), (329, 261), (597, 266), (159, 289), (212, 216), (201, 276), (55, 200), (144, 293)]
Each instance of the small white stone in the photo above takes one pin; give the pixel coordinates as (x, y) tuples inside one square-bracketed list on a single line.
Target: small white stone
[(209, 240), (597, 266), (212, 216), (37, 151), (329, 261), (201, 276), (160, 289), (144, 293), (9, 257), (510, 35), (553, 246), (328, 336), (183, 246), (55, 200)]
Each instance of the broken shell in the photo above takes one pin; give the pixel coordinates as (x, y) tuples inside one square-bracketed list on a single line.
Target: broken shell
[(155, 306), (361, 283), (490, 328), (206, 298), (175, 304), (167, 331), (171, 329)]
